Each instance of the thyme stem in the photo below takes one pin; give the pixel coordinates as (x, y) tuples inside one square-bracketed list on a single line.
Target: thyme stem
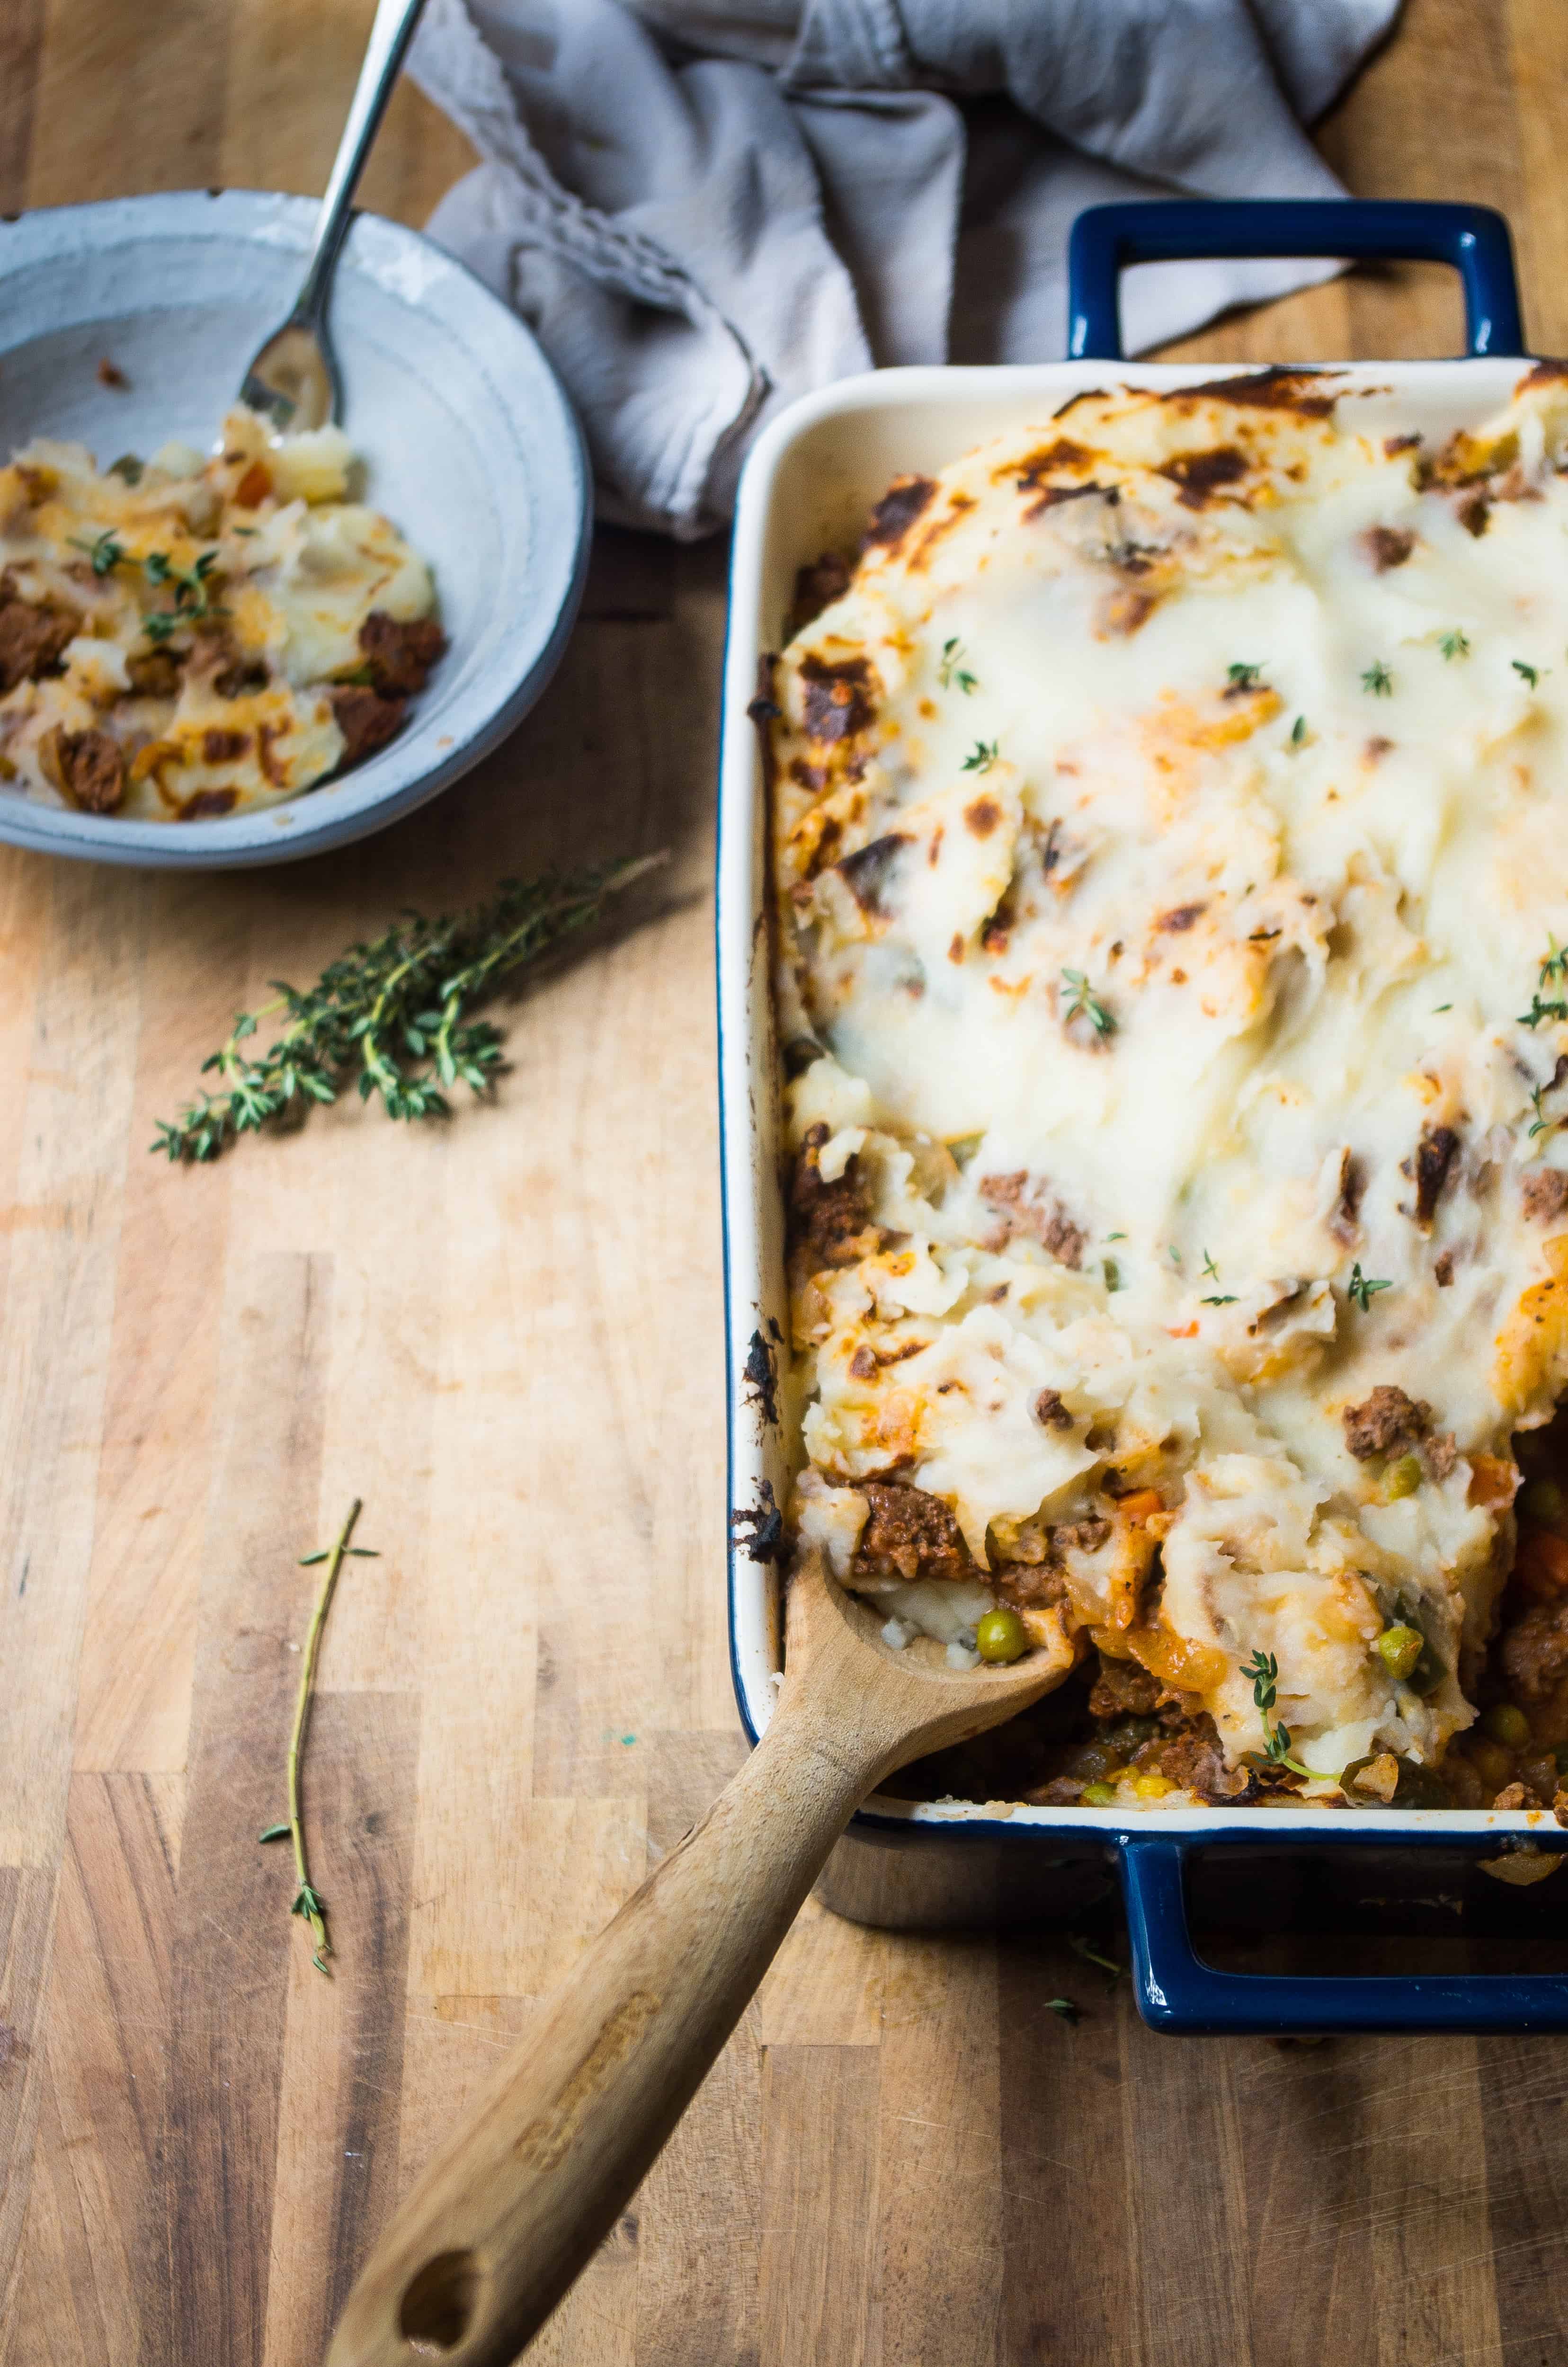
[(308, 1901)]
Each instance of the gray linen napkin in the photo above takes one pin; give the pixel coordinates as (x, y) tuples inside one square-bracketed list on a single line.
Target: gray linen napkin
[(706, 208)]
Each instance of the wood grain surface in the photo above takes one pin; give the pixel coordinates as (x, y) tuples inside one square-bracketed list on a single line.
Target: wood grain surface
[(505, 1335)]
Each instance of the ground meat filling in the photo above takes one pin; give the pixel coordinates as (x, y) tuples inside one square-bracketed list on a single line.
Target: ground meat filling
[(1122, 1689), (1024, 1206), (92, 770), (908, 1535), (1029, 1585), (366, 720), (1545, 1192), (1194, 1761), (1388, 1422), (1534, 1652), (1387, 546), (155, 674), (400, 656), (31, 639), (830, 1221)]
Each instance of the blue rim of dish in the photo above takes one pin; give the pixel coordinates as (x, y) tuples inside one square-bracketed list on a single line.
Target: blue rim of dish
[(376, 247)]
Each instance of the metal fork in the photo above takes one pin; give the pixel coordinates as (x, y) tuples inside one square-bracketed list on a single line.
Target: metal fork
[(294, 378)]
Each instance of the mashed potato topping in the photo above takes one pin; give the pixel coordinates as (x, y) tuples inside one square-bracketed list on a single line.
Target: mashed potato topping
[(1171, 845), (181, 638)]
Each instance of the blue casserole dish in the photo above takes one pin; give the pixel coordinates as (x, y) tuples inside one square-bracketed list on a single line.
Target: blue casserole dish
[(808, 486)]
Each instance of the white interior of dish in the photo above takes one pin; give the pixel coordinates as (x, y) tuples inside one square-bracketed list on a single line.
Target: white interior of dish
[(807, 487)]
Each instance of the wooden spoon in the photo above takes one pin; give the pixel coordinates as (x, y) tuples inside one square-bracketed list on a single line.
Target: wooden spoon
[(513, 2206)]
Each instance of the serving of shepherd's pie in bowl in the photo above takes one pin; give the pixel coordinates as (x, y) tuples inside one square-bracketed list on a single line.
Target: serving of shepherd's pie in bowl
[(219, 646)]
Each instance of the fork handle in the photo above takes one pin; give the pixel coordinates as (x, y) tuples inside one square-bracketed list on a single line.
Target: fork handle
[(390, 36), (513, 2206)]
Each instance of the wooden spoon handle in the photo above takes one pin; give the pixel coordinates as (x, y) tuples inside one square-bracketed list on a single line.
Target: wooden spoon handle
[(514, 2204)]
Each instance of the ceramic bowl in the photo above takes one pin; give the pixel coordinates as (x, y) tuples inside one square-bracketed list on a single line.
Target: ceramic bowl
[(470, 445)]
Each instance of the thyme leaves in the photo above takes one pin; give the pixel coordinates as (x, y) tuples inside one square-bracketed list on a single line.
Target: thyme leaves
[(1083, 1003), (1263, 1672), (192, 593), (106, 550), (394, 1015), (1362, 1288), (952, 669), (1218, 1297)]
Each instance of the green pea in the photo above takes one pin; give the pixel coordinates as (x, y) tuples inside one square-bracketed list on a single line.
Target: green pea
[(999, 1635), (1399, 1648), (1544, 1503), (1507, 1723), (1099, 1795), (1403, 1479)]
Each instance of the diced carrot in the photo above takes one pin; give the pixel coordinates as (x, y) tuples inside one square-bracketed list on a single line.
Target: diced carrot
[(1182, 1330), (1493, 1479), (253, 486), (1541, 1563), (1141, 1503)]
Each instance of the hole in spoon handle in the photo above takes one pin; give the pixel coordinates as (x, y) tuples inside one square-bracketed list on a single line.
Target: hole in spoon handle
[(439, 2304)]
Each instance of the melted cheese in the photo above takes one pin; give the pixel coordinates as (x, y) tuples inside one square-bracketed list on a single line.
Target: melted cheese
[(1170, 844), (291, 568)]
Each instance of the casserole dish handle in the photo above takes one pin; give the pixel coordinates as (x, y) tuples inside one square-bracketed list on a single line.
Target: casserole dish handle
[(1107, 239), (1176, 1991)]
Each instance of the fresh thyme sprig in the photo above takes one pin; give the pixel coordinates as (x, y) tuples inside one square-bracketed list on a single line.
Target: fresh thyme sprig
[(1454, 645), (1263, 1670), (1543, 1125), (1378, 679), (1528, 674), (1299, 733), (981, 757), (395, 1011), (1362, 1289), (952, 669), (1244, 677), (1082, 1001), (191, 589), (308, 1900), (106, 550)]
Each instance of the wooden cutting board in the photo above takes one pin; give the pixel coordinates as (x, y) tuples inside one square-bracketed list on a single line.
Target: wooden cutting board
[(504, 1336)]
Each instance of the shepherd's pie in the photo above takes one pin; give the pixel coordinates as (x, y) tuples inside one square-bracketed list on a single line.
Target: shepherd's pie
[(182, 639), (1170, 814)]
